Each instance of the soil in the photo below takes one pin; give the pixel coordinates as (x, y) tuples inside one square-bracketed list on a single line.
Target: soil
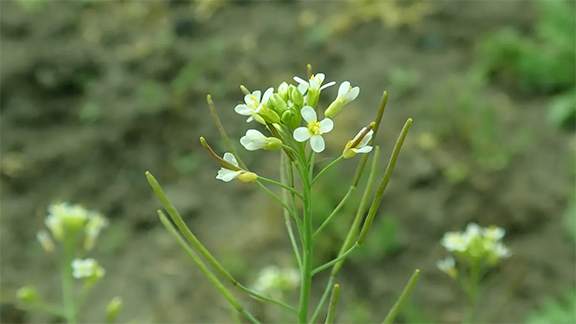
[(94, 94)]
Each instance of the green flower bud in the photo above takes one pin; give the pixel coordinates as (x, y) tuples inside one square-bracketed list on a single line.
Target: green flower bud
[(247, 177), (278, 103), (334, 108), (27, 294), (291, 119), (113, 309), (283, 90), (269, 115), (273, 143), (312, 97), (296, 96)]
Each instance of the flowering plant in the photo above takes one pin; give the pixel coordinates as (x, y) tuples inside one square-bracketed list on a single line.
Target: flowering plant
[(474, 252), (290, 118), (72, 232)]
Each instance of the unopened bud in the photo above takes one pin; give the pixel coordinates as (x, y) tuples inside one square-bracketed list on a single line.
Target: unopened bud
[(247, 177), (273, 143), (291, 119), (296, 96), (27, 294), (113, 309), (334, 108), (278, 103)]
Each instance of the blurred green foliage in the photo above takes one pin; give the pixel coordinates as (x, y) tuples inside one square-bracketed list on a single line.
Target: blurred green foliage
[(561, 310), (541, 62)]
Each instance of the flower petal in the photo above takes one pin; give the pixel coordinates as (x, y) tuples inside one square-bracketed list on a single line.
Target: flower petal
[(229, 157), (302, 87), (253, 140), (327, 85), (343, 89), (309, 114), (326, 125), (353, 94), (299, 80), (243, 109), (317, 143), (269, 92), (301, 134), (363, 149), (366, 138), (227, 175)]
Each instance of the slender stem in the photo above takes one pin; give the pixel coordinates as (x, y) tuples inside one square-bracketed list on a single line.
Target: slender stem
[(323, 299), (198, 246), (340, 257), (384, 182), (68, 280), (333, 304), (336, 210), (205, 270), (307, 249), (222, 130), (285, 187), (40, 306), (406, 292), (284, 165), (328, 167), (277, 198), (354, 227)]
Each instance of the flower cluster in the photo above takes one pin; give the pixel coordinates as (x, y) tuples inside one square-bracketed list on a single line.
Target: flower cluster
[(87, 269), (67, 221), (476, 247), (290, 116), (273, 281)]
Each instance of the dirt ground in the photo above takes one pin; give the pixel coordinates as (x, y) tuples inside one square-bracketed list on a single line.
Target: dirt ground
[(92, 95)]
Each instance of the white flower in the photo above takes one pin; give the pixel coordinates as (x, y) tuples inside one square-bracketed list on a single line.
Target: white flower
[(86, 268), (455, 241), (273, 280), (446, 265), (501, 251), (253, 103), (254, 140), (63, 217), (228, 175), (45, 241), (346, 93), (494, 233), (93, 228), (314, 84), (314, 129), (359, 144)]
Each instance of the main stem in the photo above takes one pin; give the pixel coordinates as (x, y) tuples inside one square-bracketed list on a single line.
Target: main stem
[(68, 281), (308, 244)]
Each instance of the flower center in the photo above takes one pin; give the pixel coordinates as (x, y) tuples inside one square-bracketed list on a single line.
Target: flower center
[(314, 127)]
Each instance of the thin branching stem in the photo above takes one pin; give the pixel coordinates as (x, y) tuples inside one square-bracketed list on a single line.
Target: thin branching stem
[(331, 263), (284, 165), (336, 210), (326, 168), (280, 184)]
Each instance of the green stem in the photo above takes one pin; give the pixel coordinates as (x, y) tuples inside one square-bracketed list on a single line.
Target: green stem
[(284, 165), (336, 210), (333, 304), (68, 280), (323, 299), (283, 186), (406, 292), (307, 249), (326, 168), (340, 257), (204, 269)]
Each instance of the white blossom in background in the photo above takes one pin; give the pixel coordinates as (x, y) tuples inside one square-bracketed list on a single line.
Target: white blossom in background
[(447, 265), (95, 225), (274, 281), (314, 129), (64, 217), (86, 268), (45, 241), (253, 104), (454, 242)]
